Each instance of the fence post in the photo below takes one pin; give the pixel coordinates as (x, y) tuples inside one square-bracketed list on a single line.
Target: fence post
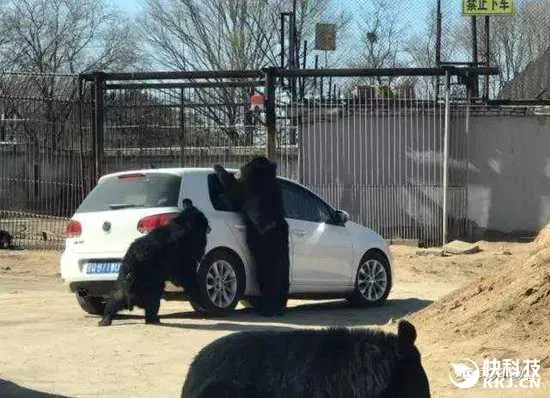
[(270, 116), (182, 127), (446, 152), (97, 125), (468, 224)]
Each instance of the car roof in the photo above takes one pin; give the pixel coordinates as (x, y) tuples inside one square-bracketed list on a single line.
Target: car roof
[(180, 171)]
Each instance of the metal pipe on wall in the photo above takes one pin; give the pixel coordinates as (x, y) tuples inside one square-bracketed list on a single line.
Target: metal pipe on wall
[(446, 153), (487, 55)]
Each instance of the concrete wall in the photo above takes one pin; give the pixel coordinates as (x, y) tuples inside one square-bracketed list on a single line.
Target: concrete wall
[(509, 179), (386, 170)]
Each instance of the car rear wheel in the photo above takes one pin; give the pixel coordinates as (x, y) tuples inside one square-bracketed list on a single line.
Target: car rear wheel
[(373, 281), (221, 282), (90, 304)]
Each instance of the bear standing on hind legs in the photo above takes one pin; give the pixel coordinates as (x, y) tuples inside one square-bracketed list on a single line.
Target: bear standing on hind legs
[(257, 194)]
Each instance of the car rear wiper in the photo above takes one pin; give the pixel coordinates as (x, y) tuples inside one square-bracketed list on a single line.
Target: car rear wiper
[(117, 206)]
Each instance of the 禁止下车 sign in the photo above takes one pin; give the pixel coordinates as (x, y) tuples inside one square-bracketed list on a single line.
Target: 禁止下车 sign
[(488, 7)]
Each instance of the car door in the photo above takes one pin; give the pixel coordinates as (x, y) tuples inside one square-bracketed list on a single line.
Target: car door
[(321, 249)]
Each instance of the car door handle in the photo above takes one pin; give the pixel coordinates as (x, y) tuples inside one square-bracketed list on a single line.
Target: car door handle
[(299, 232), (239, 226)]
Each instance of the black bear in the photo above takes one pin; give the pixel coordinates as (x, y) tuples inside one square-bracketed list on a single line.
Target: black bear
[(338, 363), (257, 194), (5, 240), (168, 253)]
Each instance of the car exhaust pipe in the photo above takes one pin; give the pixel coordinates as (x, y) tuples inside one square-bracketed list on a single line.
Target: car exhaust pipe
[(82, 292)]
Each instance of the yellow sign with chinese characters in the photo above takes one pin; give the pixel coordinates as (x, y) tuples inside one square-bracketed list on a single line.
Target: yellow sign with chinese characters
[(488, 7)]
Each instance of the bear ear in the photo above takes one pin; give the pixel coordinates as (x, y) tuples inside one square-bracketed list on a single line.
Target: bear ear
[(406, 333), (186, 203)]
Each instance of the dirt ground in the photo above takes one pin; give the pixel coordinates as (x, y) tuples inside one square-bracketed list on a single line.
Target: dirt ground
[(48, 344)]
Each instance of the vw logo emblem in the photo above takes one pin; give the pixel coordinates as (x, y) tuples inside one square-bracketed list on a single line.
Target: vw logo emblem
[(106, 226)]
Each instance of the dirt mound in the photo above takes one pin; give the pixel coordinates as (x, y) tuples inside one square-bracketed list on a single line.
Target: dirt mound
[(497, 315)]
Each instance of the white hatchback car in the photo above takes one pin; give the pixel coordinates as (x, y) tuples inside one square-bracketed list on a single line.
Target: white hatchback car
[(331, 257)]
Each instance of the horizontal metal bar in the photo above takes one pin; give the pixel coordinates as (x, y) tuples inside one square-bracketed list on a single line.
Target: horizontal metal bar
[(177, 105), (461, 63), (220, 74), (345, 72), (453, 71), (121, 86), (534, 102)]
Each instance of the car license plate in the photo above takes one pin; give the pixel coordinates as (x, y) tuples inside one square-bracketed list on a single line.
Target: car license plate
[(102, 268)]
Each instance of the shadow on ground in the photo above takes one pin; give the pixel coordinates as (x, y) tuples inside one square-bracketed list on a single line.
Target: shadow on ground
[(326, 314), (9, 390)]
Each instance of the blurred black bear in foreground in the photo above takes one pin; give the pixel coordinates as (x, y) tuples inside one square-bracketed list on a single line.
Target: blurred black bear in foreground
[(331, 363), (168, 253), (256, 193), (5, 240)]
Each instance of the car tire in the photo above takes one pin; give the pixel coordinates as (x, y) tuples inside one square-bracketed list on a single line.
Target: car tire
[(373, 281), (90, 304), (220, 284)]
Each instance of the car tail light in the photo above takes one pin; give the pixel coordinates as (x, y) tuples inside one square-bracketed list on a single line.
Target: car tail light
[(149, 223), (74, 229)]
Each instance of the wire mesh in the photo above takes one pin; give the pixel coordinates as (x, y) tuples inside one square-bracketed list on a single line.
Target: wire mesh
[(42, 156)]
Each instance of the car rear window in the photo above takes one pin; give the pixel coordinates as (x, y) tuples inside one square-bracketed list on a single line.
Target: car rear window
[(133, 190)]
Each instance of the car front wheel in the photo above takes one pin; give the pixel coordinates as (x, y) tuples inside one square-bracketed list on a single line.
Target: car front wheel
[(372, 281), (221, 282)]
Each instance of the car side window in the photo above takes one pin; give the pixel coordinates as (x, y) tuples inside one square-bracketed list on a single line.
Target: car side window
[(218, 196), (302, 205)]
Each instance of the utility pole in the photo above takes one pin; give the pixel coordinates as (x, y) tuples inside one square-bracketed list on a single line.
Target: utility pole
[(475, 88), (438, 46)]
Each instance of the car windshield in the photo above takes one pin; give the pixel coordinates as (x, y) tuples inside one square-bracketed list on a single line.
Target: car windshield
[(133, 190)]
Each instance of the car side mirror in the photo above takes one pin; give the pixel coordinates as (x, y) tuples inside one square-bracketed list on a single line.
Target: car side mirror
[(341, 217)]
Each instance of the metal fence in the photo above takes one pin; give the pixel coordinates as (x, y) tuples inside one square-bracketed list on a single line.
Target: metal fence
[(43, 156), (377, 151)]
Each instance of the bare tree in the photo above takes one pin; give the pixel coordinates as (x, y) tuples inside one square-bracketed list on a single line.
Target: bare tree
[(516, 41), (382, 42), (47, 38), (64, 36), (222, 35), (420, 51)]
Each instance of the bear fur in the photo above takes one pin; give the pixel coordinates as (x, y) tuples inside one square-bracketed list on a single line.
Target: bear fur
[(337, 363), (5, 240), (168, 253), (256, 193)]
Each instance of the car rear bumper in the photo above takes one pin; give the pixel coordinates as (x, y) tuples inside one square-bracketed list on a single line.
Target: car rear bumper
[(73, 266), (104, 288), (93, 288)]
